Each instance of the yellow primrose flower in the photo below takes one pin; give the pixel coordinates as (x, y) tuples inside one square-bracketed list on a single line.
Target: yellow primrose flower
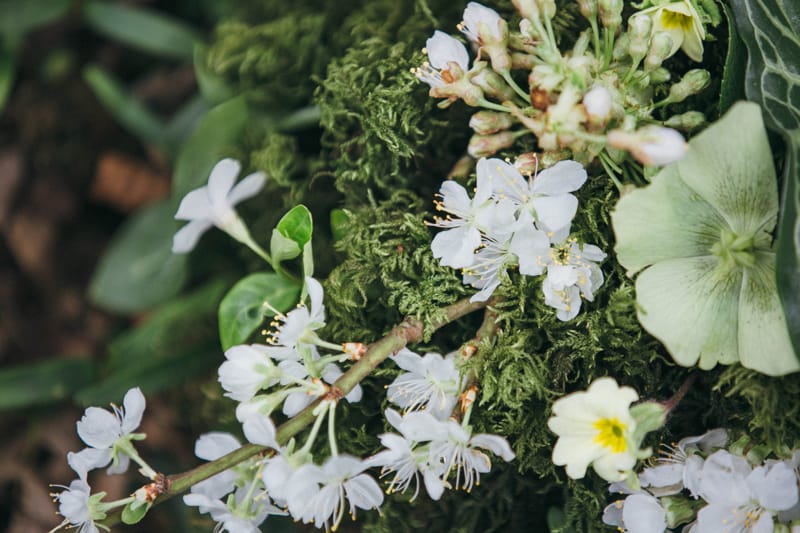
[(681, 20)]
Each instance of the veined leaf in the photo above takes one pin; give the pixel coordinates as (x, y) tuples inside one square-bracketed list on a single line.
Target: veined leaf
[(292, 233), (770, 30)]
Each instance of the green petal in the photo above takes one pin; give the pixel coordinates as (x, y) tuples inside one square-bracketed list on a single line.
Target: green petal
[(764, 343), (665, 220), (730, 166), (691, 306)]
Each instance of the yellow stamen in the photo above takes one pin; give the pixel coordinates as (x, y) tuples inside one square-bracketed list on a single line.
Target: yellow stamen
[(611, 434)]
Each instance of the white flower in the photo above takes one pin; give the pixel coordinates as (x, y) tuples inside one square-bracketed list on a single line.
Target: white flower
[(237, 516), (432, 383), (454, 247), (296, 334), (212, 446), (742, 499), (683, 24), (407, 460), (481, 24), (108, 432), (571, 274), (595, 428), (448, 60), (638, 513), (261, 430), (651, 145), (79, 507), (212, 205), (247, 369), (489, 264), (546, 195), (531, 246), (318, 494), (597, 103)]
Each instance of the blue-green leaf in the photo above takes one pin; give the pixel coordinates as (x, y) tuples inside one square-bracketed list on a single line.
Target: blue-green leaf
[(292, 233), (139, 270), (243, 309), (770, 30), (142, 28), (43, 383)]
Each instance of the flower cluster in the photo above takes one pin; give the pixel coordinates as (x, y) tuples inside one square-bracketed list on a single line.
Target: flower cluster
[(516, 221), (594, 101), (710, 489)]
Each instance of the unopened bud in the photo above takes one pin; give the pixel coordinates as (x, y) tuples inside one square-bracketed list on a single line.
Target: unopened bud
[(611, 14), (588, 8), (692, 82), (640, 27), (355, 350), (490, 83), (529, 9), (651, 145), (621, 46), (522, 61), (689, 121), (487, 145), (660, 49), (678, 510), (597, 103), (660, 75), (487, 122), (547, 8), (463, 168), (527, 163)]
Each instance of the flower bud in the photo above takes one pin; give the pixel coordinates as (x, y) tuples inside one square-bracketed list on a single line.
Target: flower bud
[(651, 145), (621, 47), (660, 75), (484, 26), (529, 9), (597, 103), (527, 163), (678, 510), (611, 14), (691, 120), (487, 145), (692, 82), (660, 49), (640, 27), (490, 83), (487, 122), (588, 8), (547, 8)]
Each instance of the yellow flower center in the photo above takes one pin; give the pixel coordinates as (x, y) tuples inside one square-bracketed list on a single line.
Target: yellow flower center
[(611, 434), (672, 20)]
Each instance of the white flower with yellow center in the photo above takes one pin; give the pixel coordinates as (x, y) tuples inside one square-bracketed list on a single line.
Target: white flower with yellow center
[(595, 428), (683, 24)]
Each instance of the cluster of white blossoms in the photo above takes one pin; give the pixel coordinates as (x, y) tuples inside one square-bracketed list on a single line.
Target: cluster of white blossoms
[(514, 221), (430, 442), (702, 488), (109, 437)]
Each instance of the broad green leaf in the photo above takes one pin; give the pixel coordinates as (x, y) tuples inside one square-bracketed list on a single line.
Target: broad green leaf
[(18, 18), (340, 220), (43, 383), (139, 270), (126, 109), (243, 309), (183, 123), (171, 345), (732, 85), (770, 30), (700, 231), (292, 233), (142, 28), (134, 512), (215, 133)]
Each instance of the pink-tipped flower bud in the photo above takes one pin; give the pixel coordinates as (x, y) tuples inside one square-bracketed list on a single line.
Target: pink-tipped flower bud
[(527, 163), (529, 9), (597, 103), (689, 121), (651, 145), (588, 8), (611, 14), (487, 122), (490, 82), (660, 49), (640, 27), (692, 82), (488, 145), (355, 350)]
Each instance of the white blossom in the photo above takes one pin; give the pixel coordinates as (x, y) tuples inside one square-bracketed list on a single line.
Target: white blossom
[(79, 507), (447, 60), (571, 274), (638, 513), (431, 382), (597, 103), (481, 24), (247, 369), (212, 446), (237, 516), (296, 334), (651, 145), (212, 205)]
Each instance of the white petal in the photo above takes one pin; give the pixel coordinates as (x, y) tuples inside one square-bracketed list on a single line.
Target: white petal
[(260, 430), (443, 48), (355, 395), (121, 466), (643, 514), (88, 459), (220, 182), (98, 428), (185, 239), (724, 479), (296, 402), (363, 492), (315, 294), (247, 188), (455, 197), (455, 247), (498, 445), (195, 205), (134, 404), (774, 487), (211, 446), (433, 484), (556, 212), (563, 177)]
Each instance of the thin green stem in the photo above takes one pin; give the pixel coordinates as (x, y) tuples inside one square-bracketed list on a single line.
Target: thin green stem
[(332, 429), (126, 447), (496, 107), (517, 89), (312, 436), (609, 170), (550, 34), (409, 331), (595, 36)]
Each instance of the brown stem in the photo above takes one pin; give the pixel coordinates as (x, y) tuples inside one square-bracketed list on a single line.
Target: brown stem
[(470, 349), (673, 402)]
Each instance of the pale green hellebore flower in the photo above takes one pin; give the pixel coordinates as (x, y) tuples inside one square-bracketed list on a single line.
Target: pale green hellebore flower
[(700, 234), (682, 22)]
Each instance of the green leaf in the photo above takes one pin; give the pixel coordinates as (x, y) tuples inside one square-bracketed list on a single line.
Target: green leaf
[(292, 233), (126, 109), (18, 18), (340, 221), (247, 303), (215, 133), (139, 270), (183, 123), (134, 512), (8, 67), (770, 30), (143, 29), (213, 87), (174, 343), (732, 86), (43, 383)]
